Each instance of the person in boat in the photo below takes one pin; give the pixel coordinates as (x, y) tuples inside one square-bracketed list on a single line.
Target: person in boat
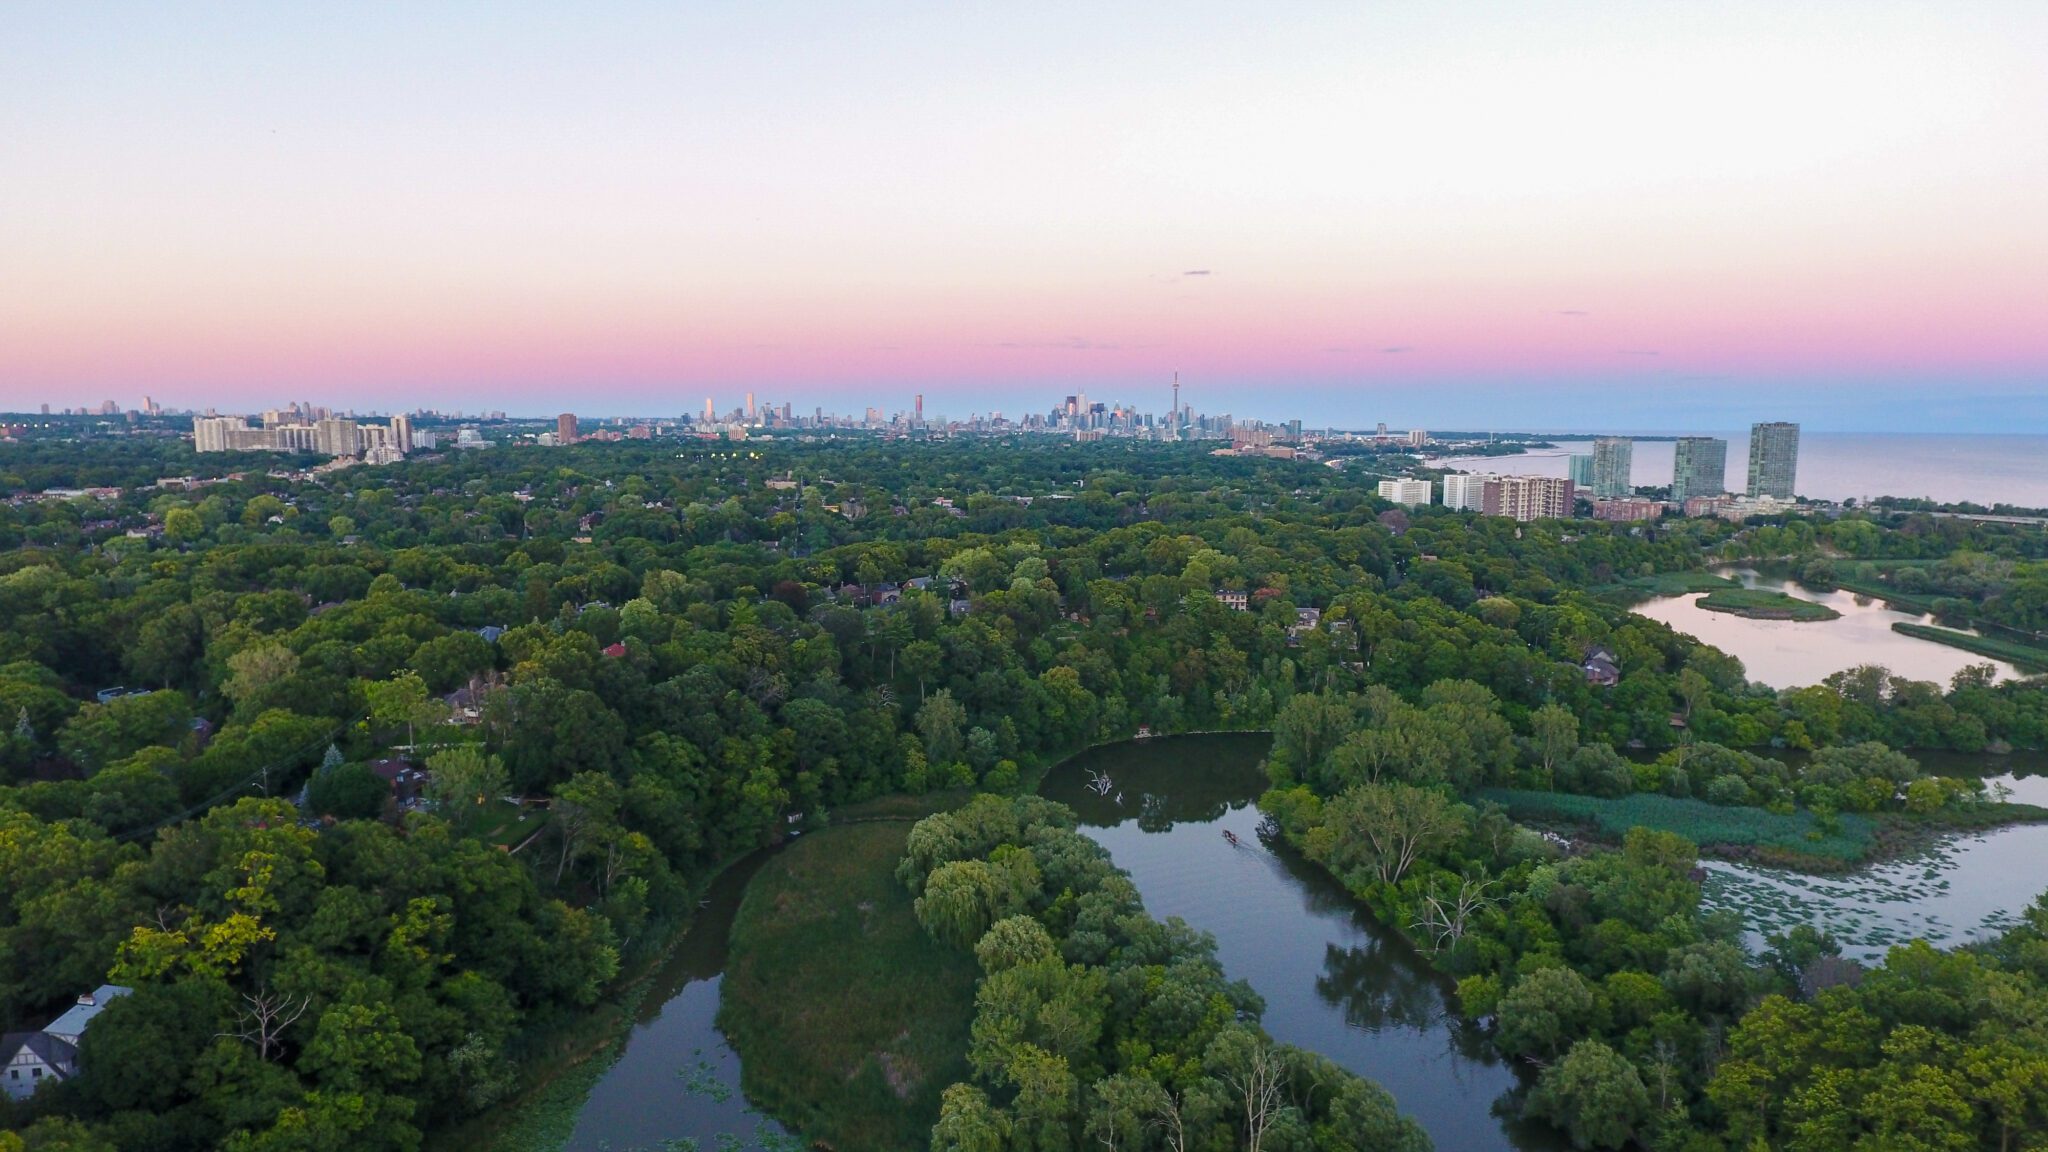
[(1230, 836)]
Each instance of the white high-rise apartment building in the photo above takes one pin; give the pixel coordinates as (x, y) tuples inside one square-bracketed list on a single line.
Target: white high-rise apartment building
[(1466, 491), (1410, 493)]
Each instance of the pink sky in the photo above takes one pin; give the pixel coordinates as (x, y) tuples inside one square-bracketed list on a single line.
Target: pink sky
[(406, 208)]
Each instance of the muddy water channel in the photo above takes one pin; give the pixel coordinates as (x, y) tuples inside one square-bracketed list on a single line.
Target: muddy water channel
[(1334, 981)]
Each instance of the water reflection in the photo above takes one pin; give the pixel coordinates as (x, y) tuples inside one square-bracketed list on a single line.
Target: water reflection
[(1965, 888), (1376, 991), (1789, 654), (1333, 979), (677, 1078)]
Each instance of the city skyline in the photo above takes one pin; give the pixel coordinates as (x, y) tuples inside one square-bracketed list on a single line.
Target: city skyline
[(1540, 217)]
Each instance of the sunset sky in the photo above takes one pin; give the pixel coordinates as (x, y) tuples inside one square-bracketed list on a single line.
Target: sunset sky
[(1620, 215)]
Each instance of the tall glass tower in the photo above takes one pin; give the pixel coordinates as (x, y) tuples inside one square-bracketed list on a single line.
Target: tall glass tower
[(1699, 467), (1773, 459), (1580, 469), (1612, 457)]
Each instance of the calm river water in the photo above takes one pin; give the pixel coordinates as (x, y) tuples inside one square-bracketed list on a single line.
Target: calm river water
[(677, 1077), (1334, 981), (1791, 654)]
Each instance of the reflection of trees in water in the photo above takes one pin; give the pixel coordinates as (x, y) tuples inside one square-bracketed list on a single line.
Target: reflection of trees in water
[(1195, 778), (1375, 987)]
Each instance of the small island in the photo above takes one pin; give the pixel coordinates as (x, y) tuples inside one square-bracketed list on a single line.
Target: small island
[(1763, 604)]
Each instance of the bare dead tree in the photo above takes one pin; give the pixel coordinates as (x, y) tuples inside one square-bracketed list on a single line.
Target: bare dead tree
[(1664, 1058), (1172, 1120), (1445, 920), (264, 1021), (1260, 1083)]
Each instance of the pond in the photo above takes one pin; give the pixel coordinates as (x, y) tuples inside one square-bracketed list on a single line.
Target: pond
[(1788, 654), (677, 1079), (1965, 888), (1958, 889), (1334, 980)]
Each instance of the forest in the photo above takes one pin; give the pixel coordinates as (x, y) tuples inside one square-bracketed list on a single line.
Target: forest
[(368, 781)]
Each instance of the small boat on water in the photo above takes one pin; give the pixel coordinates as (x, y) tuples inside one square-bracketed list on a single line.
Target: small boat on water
[(1230, 836)]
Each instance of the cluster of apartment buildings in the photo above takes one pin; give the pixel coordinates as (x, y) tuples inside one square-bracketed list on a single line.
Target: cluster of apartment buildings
[(325, 436), (1515, 497), (1604, 476)]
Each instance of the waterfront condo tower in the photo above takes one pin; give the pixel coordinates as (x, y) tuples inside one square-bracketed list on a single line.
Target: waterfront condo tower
[(1773, 459), (1699, 467), (1613, 456)]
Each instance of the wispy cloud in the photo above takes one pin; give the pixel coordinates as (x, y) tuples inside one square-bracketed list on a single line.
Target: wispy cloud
[(1574, 312), (1076, 343), (1196, 272), (1395, 349), (1638, 352)]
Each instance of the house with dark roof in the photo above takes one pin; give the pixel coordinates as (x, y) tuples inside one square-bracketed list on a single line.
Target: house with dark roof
[(408, 784), (1600, 668), (36, 1058)]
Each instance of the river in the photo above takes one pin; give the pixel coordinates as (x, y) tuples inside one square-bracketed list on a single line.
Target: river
[(677, 1078), (1793, 654), (1333, 979)]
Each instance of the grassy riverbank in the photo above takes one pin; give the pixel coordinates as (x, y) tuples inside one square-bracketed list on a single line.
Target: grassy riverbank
[(1780, 837), (1797, 839), (1763, 604), (561, 1060), (1637, 589), (2026, 657), (848, 1019)]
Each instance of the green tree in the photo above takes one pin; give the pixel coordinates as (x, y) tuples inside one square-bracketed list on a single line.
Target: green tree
[(1308, 727), (350, 792), (398, 702), (1594, 1094), (1383, 829), (183, 526), (969, 1123), (1556, 734), (463, 781), (1544, 1012), (942, 722)]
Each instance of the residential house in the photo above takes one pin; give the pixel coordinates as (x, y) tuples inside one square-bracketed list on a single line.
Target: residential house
[(408, 784), (1236, 601), (35, 1058), (1601, 669)]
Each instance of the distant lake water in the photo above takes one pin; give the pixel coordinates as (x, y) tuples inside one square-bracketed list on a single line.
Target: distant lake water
[(1984, 470), (1794, 654)]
